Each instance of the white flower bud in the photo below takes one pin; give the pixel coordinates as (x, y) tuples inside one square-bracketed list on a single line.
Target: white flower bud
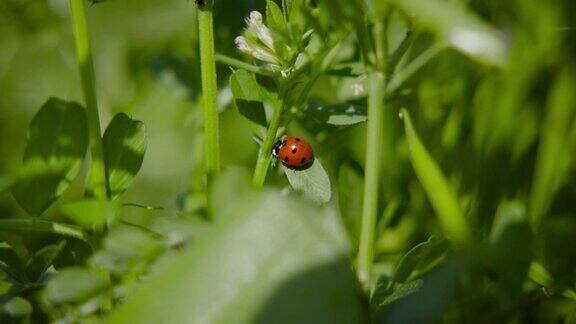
[(255, 23), (255, 18), (242, 44)]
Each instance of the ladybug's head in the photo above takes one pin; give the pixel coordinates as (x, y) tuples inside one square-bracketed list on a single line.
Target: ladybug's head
[(276, 148)]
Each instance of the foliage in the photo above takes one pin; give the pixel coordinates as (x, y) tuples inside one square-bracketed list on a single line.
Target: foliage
[(441, 191)]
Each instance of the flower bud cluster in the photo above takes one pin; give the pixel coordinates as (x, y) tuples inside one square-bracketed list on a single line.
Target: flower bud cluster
[(259, 43)]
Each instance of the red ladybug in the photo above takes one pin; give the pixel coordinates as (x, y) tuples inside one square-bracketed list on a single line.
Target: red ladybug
[(294, 152)]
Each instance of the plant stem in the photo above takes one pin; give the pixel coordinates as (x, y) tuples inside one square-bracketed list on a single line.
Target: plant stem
[(263, 161), (97, 177), (375, 131), (209, 89), (220, 58), (44, 226), (401, 76)]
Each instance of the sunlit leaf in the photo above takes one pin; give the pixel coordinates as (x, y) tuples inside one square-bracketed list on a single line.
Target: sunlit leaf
[(90, 214), (439, 193), (555, 151), (278, 260), (124, 145), (313, 182), (275, 19), (460, 27), (252, 95), (57, 142)]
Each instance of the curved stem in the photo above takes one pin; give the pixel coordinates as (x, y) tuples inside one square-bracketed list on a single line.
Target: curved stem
[(44, 226), (97, 178), (375, 131), (209, 89), (401, 76), (221, 58), (265, 150)]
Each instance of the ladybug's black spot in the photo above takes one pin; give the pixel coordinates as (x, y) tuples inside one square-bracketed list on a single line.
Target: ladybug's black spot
[(294, 149), (303, 160), (297, 139), (286, 159)]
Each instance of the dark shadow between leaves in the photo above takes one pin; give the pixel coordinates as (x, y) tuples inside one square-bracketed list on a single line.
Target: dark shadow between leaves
[(325, 294)]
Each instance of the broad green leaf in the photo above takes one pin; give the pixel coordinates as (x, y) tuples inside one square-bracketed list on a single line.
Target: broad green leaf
[(124, 145), (228, 189), (439, 193), (42, 260), (420, 259), (275, 19), (90, 214), (57, 142), (279, 260), (460, 27), (17, 307), (73, 285), (555, 151), (313, 182), (248, 96), (338, 115)]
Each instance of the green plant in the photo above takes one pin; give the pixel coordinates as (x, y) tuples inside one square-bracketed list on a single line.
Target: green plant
[(441, 190)]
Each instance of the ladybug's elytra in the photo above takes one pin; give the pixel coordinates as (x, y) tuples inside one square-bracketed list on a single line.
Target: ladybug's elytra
[(294, 152)]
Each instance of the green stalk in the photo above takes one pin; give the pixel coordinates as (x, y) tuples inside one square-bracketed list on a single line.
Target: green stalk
[(374, 149), (97, 177), (406, 73), (220, 58), (209, 89), (375, 131), (263, 161), (35, 225)]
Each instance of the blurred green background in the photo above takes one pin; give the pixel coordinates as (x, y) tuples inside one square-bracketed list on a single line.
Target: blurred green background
[(505, 137), (146, 66)]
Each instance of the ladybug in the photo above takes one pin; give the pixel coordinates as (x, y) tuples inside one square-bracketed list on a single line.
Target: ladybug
[(294, 152)]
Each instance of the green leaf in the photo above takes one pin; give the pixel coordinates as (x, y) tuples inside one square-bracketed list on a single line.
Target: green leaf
[(420, 259), (56, 146), (17, 307), (90, 214), (275, 19), (459, 27), (384, 296), (43, 259), (124, 144), (313, 182), (339, 115), (278, 260), (248, 96), (436, 187), (556, 148), (73, 285), (12, 265)]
